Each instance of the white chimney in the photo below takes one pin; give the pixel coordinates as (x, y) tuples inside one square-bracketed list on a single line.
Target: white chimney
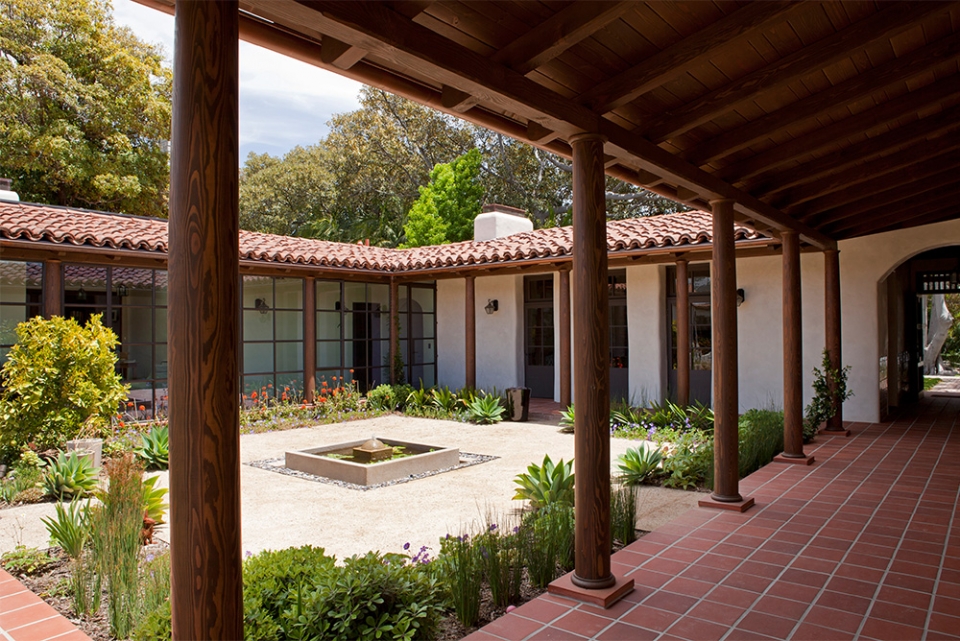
[(497, 221), (5, 193)]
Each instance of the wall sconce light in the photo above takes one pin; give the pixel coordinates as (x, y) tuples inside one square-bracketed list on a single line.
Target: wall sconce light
[(740, 297), (492, 306), (82, 294), (121, 291), (261, 305)]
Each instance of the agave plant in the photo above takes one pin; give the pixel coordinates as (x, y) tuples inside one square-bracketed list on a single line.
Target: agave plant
[(485, 409), (567, 420), (443, 399), (418, 399), (637, 464), (154, 449), (546, 484), (70, 476), (153, 503)]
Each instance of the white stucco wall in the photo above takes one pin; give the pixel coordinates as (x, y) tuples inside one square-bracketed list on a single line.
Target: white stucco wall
[(646, 333), (499, 335)]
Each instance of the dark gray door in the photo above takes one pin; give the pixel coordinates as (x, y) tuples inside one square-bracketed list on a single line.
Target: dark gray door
[(538, 360), (700, 337)]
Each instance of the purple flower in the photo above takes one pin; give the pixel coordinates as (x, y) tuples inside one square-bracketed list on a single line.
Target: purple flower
[(406, 546), (516, 528), (493, 526), (249, 554)]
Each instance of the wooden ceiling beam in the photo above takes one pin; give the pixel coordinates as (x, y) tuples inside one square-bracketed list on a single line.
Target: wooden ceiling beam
[(917, 133), (904, 211), (915, 172), (882, 199), (456, 100), (894, 72), (556, 34), (940, 215), (340, 54), (677, 59), (891, 110), (944, 148), (890, 21), (411, 8)]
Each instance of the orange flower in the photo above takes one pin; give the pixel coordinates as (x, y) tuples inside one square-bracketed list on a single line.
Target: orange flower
[(286, 388), (129, 403), (253, 394), (284, 396), (351, 371), (121, 423), (270, 385), (142, 408), (323, 384), (323, 399)]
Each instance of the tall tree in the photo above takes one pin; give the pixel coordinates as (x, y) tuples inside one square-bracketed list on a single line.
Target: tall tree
[(445, 210), (84, 108)]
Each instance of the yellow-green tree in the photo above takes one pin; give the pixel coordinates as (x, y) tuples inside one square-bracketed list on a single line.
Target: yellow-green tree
[(84, 108)]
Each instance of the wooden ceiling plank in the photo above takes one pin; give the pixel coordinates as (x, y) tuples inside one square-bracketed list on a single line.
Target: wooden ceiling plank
[(856, 88), (558, 33), (914, 172), (918, 132), (677, 59), (935, 216), (879, 200), (411, 8), (827, 136), (456, 100), (835, 181)]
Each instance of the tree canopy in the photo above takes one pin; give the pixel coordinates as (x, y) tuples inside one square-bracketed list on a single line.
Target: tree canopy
[(84, 108), (445, 210)]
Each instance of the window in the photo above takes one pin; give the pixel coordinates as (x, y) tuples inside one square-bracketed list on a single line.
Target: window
[(272, 318), (21, 293)]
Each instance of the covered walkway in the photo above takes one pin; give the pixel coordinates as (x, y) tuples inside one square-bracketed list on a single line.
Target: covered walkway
[(863, 544)]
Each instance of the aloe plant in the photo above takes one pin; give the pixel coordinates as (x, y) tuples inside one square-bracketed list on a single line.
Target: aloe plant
[(70, 476), (153, 503), (637, 464), (567, 420), (154, 448), (547, 483)]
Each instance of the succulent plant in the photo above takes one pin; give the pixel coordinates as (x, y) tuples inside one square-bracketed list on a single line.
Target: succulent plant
[(636, 464), (154, 450), (70, 476), (546, 484)]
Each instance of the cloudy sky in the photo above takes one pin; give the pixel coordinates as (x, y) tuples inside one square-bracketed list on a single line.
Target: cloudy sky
[(283, 102)]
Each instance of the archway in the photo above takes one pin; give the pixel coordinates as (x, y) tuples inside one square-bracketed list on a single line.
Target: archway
[(900, 300)]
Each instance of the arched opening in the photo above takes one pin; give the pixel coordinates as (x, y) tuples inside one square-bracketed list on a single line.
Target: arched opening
[(902, 299)]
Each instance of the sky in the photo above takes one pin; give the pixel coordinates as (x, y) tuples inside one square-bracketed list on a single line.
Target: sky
[(283, 102)]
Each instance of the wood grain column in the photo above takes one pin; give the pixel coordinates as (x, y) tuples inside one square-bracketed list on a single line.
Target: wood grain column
[(206, 593), (591, 372), (52, 288), (723, 296), (831, 274), (563, 326), (309, 339), (394, 330), (792, 348), (470, 333), (683, 334)]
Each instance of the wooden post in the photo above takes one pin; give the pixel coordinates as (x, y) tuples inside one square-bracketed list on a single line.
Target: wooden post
[(723, 295), (592, 370), (683, 334), (792, 353), (206, 591), (563, 326), (52, 288), (470, 331), (831, 274), (394, 329), (309, 339)]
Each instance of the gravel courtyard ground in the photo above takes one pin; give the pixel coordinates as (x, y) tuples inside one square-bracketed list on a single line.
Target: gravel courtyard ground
[(281, 511)]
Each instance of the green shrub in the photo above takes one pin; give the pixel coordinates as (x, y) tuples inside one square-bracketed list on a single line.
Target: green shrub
[(690, 459), (70, 476), (70, 529), (501, 556), (546, 484), (22, 478), (383, 397), (22, 560), (154, 587), (444, 400), (824, 405), (485, 409), (547, 537), (461, 566), (639, 463), (761, 438), (154, 448), (59, 381)]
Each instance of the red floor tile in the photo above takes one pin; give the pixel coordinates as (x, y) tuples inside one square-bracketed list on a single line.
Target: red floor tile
[(624, 632), (513, 627), (581, 623)]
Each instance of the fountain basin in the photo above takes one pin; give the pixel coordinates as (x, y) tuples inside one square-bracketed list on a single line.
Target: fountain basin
[(315, 461)]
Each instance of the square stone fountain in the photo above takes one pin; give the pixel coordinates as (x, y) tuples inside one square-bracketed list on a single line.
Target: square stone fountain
[(346, 463)]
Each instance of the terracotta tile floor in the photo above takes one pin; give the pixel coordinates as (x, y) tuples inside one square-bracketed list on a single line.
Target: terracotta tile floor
[(25, 617), (864, 544)]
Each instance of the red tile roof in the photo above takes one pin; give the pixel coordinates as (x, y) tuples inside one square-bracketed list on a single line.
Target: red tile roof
[(66, 226)]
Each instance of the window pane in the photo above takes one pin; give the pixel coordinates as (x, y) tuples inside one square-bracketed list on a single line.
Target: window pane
[(289, 292), (328, 294), (328, 354), (160, 287), (10, 317), (421, 325), (354, 293), (257, 292), (289, 326), (289, 357), (257, 357), (257, 326), (291, 385), (135, 362), (136, 324), (132, 286), (160, 320), (258, 385), (160, 353), (328, 325), (423, 298), (377, 293)]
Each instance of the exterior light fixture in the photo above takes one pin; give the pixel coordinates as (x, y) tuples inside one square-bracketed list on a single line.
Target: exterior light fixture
[(121, 291), (82, 294), (261, 305), (740, 297), (492, 306)]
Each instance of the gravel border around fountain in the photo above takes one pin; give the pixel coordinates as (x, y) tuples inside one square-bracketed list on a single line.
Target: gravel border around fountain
[(277, 465)]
